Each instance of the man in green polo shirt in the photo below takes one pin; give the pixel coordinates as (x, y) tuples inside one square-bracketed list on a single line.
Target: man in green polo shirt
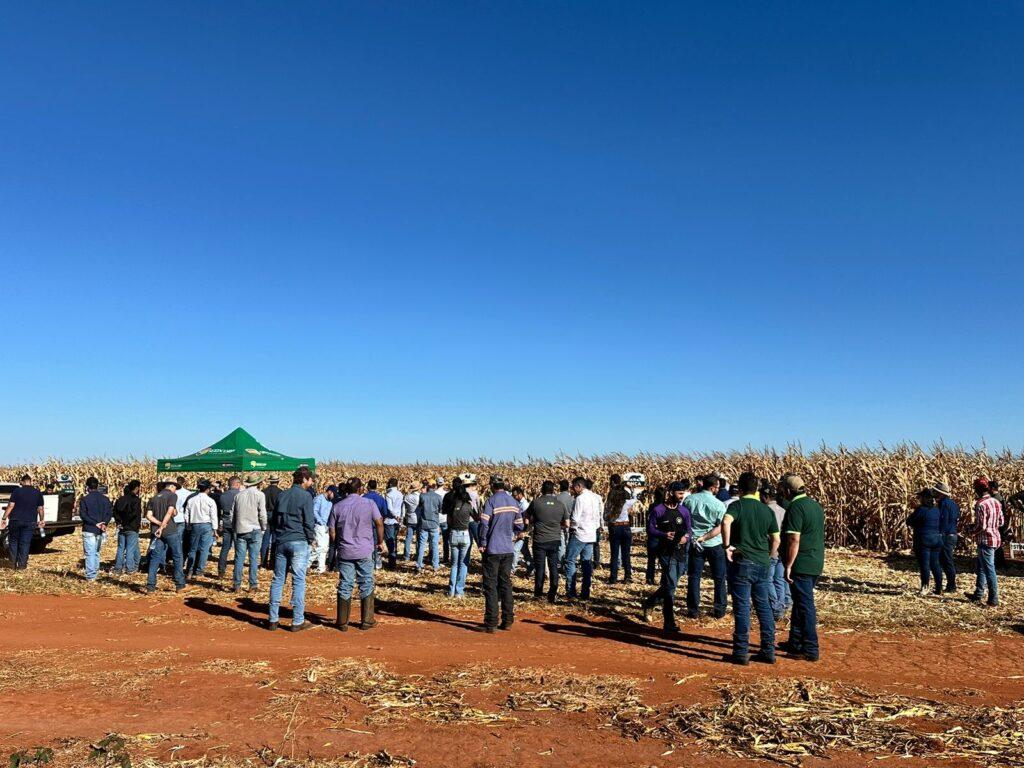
[(750, 535), (804, 560)]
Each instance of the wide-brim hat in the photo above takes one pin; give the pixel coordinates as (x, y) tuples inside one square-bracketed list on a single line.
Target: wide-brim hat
[(274, 479), (496, 478), (203, 484), (168, 481), (941, 488), (468, 478), (253, 478)]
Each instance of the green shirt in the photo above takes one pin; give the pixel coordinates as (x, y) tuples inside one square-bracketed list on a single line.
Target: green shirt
[(806, 517), (752, 524), (706, 512)]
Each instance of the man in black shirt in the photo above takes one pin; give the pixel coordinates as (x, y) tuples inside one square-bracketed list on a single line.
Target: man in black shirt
[(128, 516), (24, 512), (546, 517)]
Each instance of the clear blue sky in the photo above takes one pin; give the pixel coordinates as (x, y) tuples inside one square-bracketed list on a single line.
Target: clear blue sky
[(402, 230)]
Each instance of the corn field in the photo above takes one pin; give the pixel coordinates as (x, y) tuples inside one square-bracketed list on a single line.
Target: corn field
[(867, 494)]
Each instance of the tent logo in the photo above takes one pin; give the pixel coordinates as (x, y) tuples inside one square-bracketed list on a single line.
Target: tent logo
[(204, 451), (252, 451)]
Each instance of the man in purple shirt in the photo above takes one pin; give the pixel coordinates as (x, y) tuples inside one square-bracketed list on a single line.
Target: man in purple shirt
[(500, 523), (352, 525), (668, 527)]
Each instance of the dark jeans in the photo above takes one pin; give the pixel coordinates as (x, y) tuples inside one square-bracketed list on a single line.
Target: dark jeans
[(672, 568), (947, 562), (928, 551), (227, 543), (19, 539), (497, 584), (652, 560), (267, 549), (446, 548), (715, 557), (546, 551), (160, 548), (391, 540), (620, 539), (749, 582), (803, 623)]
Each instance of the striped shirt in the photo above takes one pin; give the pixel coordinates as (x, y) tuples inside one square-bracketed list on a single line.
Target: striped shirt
[(988, 517), (500, 521)]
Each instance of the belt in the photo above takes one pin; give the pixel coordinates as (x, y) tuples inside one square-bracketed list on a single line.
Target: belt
[(619, 525)]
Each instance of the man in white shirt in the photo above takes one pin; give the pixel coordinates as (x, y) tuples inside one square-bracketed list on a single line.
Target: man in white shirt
[(392, 520), (583, 526), (201, 522), (409, 504)]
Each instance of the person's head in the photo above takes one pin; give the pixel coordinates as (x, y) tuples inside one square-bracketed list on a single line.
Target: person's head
[(234, 482), (205, 486), (355, 485), (614, 480), (462, 494), (926, 496), (330, 492), (579, 485), (26, 479), (589, 484), (440, 482), (92, 484), (456, 482), (657, 495), (768, 492), (547, 488), (432, 484), (392, 483), (497, 483), (746, 485), (993, 485), (734, 490), (676, 493), (790, 486), (710, 483), (134, 486), (518, 493), (424, 485), (982, 487), (180, 481), (563, 486), (302, 476), (371, 485)]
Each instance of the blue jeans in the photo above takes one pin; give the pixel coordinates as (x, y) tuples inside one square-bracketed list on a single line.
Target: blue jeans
[(573, 552), (290, 557), (928, 548), (91, 546), (459, 543), (19, 540), (947, 562), (127, 558), (445, 548), (474, 536), (433, 538), (620, 539), (227, 543), (673, 566), (411, 533), (715, 558), (160, 548), (266, 544), (986, 572), (803, 624), (391, 540), (749, 582), (778, 588), (351, 572), (200, 543), (247, 544), (545, 552)]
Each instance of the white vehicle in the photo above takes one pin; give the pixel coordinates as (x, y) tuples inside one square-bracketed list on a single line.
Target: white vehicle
[(59, 514)]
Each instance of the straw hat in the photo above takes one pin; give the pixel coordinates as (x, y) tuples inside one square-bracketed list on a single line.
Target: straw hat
[(253, 478), (941, 488)]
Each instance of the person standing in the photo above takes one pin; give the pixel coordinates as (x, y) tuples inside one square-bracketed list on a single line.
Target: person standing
[(949, 519), (95, 511), (179, 511), (500, 522), (706, 513), (162, 516), (355, 524), (521, 547), (428, 513), (778, 587), (271, 494), (804, 527), (988, 518), (565, 496), (546, 517), (927, 526), (24, 515), (442, 520), (459, 517), (392, 520), (201, 517), (469, 482), (382, 506), (669, 525), (617, 532), (225, 505), (323, 503), (654, 498), (583, 526), (750, 535), (294, 532), (249, 514), (410, 503), (128, 517)]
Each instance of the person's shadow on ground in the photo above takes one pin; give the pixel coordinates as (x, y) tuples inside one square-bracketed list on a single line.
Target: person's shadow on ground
[(102, 578)]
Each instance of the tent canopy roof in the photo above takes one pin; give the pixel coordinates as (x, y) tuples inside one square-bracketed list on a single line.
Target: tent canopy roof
[(238, 452)]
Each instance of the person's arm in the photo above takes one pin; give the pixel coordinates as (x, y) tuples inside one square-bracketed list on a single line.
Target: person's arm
[(308, 521), (792, 549), (727, 536), (652, 526), (332, 520), (518, 524), (382, 546), (7, 513), (261, 510), (485, 523), (774, 539), (41, 512)]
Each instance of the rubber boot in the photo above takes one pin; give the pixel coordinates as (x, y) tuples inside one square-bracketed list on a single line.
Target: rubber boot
[(366, 611), (344, 608)]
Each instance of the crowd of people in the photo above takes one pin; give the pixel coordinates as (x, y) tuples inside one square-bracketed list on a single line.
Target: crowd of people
[(762, 542)]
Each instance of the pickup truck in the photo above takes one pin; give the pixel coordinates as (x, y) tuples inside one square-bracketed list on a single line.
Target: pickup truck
[(60, 515)]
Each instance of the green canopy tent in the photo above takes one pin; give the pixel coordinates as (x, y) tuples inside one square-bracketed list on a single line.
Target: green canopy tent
[(238, 452)]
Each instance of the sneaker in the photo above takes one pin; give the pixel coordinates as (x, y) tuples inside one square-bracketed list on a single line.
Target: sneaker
[(646, 615), (923, 591)]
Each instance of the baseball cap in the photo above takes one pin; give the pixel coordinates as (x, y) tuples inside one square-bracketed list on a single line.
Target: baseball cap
[(792, 482), (468, 478)]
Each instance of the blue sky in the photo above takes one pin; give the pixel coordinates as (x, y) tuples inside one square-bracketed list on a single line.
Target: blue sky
[(418, 230)]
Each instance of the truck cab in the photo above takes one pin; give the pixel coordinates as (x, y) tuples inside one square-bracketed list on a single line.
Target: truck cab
[(60, 516)]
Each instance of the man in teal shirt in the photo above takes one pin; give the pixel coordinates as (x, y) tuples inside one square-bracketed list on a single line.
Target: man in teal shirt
[(706, 513)]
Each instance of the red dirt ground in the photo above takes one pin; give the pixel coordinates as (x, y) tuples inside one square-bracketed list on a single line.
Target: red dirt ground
[(222, 708)]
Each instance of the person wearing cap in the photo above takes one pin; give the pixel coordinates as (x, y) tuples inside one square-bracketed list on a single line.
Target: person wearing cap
[(428, 512), (271, 495), (356, 529), (225, 505), (161, 514), (706, 514), (294, 535), (322, 504), (804, 561), (392, 520), (469, 482), (750, 535), (249, 514), (988, 518), (669, 527), (500, 522), (584, 523), (460, 515), (410, 503), (201, 519)]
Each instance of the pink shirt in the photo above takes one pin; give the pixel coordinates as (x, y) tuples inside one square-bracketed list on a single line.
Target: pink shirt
[(353, 520)]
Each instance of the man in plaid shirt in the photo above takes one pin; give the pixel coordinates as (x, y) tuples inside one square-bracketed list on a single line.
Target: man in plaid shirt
[(988, 517)]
